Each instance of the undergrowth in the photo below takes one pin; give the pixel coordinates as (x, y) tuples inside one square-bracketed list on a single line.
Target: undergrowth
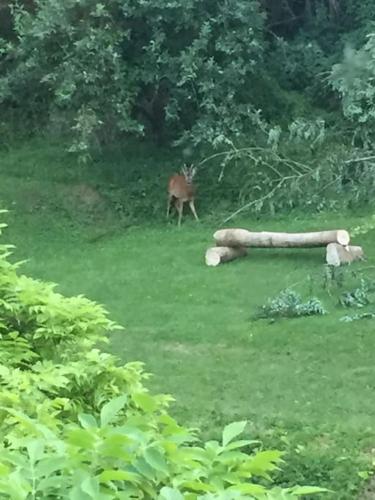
[(130, 182), (360, 296)]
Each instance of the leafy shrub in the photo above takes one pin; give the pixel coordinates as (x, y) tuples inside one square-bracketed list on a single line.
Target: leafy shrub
[(302, 130), (299, 63), (289, 304), (177, 70), (74, 424), (353, 79), (358, 297), (312, 457), (109, 457)]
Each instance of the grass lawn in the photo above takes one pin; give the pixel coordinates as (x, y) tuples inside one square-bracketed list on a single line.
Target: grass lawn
[(305, 385)]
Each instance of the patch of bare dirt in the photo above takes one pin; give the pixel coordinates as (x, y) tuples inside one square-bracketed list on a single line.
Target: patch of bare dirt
[(369, 492), (85, 195), (178, 347), (30, 199)]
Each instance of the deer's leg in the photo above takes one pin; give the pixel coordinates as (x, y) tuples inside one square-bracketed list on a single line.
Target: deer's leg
[(192, 208), (180, 208), (169, 204)]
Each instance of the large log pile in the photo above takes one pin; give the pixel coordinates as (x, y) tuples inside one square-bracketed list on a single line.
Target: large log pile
[(232, 244)]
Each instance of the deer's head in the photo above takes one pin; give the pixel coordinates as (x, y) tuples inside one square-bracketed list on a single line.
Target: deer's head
[(189, 173)]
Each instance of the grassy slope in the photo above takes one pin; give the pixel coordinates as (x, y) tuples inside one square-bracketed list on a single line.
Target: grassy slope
[(306, 385)]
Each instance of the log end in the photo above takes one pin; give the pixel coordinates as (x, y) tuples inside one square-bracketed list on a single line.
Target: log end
[(343, 237), (212, 258), (217, 255)]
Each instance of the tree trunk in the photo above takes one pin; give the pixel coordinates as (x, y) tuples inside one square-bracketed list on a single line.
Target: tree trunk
[(337, 255), (217, 255), (243, 238)]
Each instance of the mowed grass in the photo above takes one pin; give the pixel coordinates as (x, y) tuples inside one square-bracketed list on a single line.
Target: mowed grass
[(193, 328), (192, 325), (305, 385)]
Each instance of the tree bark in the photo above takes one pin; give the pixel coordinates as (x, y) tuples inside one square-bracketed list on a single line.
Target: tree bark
[(217, 255), (337, 255), (243, 238)]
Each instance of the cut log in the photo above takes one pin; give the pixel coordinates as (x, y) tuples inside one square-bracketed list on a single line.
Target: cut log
[(217, 255), (337, 255), (243, 238)]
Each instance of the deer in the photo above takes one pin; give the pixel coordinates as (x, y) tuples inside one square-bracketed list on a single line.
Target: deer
[(181, 190)]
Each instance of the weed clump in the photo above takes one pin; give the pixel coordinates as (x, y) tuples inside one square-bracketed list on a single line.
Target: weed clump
[(289, 304)]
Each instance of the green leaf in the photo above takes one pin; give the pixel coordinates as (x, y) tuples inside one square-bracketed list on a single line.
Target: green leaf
[(156, 460), (18, 487), (199, 486), (81, 438), (307, 490), (232, 430), (364, 474), (264, 462), (4, 470), (87, 421), (146, 402), (49, 464), (76, 493), (110, 410), (52, 482), (90, 486), (241, 444), (144, 468), (167, 493), (119, 475), (249, 489), (35, 450)]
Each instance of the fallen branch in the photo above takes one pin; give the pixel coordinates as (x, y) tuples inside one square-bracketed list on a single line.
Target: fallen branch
[(336, 254), (356, 160), (271, 160), (217, 255), (266, 196), (244, 238)]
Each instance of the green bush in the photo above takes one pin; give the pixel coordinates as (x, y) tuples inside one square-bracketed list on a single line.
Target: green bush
[(74, 424), (172, 70), (359, 296), (353, 79), (289, 304), (137, 457)]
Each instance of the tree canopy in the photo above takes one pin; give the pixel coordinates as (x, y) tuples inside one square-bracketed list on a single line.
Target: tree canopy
[(187, 72)]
